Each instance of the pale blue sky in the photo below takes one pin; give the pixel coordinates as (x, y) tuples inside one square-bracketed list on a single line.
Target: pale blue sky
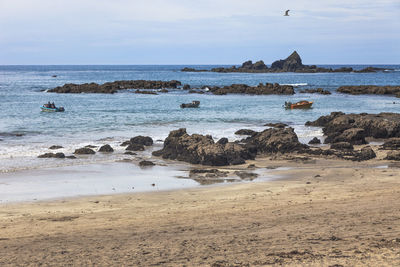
[(198, 32)]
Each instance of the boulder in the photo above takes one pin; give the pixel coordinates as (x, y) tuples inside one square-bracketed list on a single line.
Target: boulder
[(355, 136), (186, 87), (84, 151), (314, 141), (201, 149), (276, 140), (52, 155), (106, 148), (142, 140), (223, 141)]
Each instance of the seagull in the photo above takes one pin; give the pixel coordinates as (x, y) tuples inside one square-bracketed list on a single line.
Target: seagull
[(287, 12)]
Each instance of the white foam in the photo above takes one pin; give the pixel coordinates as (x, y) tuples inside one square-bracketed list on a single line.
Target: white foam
[(295, 84)]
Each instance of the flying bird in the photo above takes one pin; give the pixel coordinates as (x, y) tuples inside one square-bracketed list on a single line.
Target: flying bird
[(287, 12)]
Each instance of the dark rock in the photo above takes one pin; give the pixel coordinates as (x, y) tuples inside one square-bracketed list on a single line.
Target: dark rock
[(52, 155), (70, 157), (55, 147), (382, 125), (106, 148), (342, 146), (276, 140), (90, 146), (163, 91), (261, 89), (146, 163), (135, 147), (314, 141), (223, 141), (186, 69), (276, 125), (142, 140), (355, 136), (315, 91), (245, 132), (200, 149), (113, 87), (369, 89), (393, 155), (291, 63), (84, 151), (186, 87), (391, 144)]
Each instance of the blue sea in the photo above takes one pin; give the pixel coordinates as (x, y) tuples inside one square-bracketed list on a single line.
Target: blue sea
[(96, 119)]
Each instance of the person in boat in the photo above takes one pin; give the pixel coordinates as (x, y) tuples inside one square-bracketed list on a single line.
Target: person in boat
[(53, 105)]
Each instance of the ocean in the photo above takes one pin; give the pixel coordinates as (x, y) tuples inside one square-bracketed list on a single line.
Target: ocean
[(96, 119)]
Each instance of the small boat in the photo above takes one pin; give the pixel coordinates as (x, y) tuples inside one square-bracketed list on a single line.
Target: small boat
[(194, 104), (46, 109), (304, 104)]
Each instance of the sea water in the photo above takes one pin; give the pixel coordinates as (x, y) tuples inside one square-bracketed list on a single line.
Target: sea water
[(96, 119)]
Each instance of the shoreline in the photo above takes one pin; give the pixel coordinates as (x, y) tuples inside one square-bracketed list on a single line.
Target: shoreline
[(330, 212)]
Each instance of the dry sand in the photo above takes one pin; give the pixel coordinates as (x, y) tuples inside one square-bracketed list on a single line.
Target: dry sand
[(327, 213)]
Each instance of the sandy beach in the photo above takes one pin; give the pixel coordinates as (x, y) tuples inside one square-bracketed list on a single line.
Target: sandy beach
[(323, 213)]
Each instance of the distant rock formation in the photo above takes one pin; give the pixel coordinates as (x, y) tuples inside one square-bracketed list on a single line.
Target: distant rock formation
[(113, 87), (292, 63)]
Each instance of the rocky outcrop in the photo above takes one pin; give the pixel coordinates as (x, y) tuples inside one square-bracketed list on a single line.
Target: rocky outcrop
[(261, 89), (106, 148), (187, 69), (52, 155), (370, 90), (113, 87), (342, 146), (315, 91), (201, 149), (84, 151), (354, 128), (292, 63)]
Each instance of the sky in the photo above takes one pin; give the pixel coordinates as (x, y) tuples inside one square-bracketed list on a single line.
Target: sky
[(198, 32)]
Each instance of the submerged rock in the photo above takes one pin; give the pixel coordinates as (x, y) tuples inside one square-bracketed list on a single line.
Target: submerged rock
[(369, 89), (315, 91), (245, 132), (276, 125)]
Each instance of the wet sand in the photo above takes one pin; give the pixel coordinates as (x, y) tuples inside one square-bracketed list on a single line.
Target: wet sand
[(321, 213)]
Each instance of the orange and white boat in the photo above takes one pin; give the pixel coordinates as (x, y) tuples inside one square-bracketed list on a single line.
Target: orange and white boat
[(304, 104)]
